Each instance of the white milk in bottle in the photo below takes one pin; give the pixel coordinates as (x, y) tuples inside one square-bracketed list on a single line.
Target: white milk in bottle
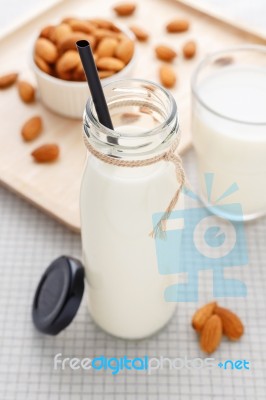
[(125, 289)]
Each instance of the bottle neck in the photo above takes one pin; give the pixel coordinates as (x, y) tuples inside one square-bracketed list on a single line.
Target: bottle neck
[(144, 117)]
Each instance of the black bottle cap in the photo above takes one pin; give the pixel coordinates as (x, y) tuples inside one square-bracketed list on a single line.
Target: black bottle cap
[(58, 295)]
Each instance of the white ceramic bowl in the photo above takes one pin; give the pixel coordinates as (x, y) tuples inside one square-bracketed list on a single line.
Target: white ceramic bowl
[(68, 98)]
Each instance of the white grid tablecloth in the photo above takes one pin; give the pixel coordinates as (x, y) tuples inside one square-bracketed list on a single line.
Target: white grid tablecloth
[(29, 241)]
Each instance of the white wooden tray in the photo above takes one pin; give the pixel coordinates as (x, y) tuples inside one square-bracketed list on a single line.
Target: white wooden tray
[(55, 188)]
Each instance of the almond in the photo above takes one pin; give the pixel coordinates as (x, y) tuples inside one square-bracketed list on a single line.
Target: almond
[(78, 75), (7, 80), (106, 74), (124, 9), (113, 27), (45, 49), (82, 26), (46, 153), (31, 129), (177, 26), (125, 50), (43, 65), (48, 32), (165, 53), (110, 64), (139, 33), (66, 75), (100, 34), (26, 91), (232, 326), (167, 76), (66, 20), (211, 334), (121, 36), (68, 61), (107, 47), (202, 315), (69, 43), (189, 49), (61, 32), (102, 23), (56, 53)]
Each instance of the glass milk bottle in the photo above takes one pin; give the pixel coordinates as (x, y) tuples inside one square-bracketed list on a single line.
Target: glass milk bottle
[(125, 289)]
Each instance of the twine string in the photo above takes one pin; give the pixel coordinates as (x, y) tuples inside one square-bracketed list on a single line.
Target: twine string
[(169, 156)]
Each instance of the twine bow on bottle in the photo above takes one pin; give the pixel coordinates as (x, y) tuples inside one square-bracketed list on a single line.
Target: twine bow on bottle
[(169, 156)]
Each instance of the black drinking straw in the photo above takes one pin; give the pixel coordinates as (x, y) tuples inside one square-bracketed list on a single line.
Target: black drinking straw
[(94, 83)]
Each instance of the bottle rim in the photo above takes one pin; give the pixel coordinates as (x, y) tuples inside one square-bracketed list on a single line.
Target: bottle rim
[(122, 143)]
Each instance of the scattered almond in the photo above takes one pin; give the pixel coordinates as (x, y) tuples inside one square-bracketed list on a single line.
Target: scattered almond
[(26, 91), (124, 9), (46, 153), (110, 64), (189, 49), (177, 26), (8, 80), (211, 334), (167, 76), (165, 53), (32, 128), (45, 49), (140, 34), (107, 47), (210, 319), (125, 50), (232, 326), (202, 315)]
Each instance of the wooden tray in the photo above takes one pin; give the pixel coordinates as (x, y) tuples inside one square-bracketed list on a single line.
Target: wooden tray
[(55, 188), (217, 12)]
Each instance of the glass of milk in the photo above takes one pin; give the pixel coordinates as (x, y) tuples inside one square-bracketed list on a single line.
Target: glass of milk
[(125, 289), (229, 126)]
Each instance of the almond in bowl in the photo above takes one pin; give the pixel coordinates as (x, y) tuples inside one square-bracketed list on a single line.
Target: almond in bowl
[(58, 69)]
